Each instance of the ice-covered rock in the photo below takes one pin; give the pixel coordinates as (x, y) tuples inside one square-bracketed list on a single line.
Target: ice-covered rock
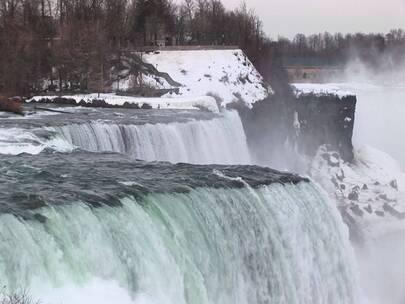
[(371, 191), (320, 89)]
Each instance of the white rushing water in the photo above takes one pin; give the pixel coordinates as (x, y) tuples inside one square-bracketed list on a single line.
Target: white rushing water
[(15, 141), (277, 244), (220, 140)]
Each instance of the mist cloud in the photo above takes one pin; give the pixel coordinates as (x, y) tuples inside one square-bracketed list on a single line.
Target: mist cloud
[(288, 17)]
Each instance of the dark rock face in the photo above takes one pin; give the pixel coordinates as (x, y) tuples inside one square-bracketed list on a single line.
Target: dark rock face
[(280, 129), (326, 120), (395, 213), (354, 196), (266, 128), (355, 231)]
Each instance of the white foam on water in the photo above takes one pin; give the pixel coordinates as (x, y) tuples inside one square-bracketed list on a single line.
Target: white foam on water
[(277, 244), (96, 291), (220, 140), (15, 141)]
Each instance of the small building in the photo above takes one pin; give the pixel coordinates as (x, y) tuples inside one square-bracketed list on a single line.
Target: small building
[(311, 70)]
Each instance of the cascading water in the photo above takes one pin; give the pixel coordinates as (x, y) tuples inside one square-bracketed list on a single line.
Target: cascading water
[(198, 142), (160, 233), (219, 140)]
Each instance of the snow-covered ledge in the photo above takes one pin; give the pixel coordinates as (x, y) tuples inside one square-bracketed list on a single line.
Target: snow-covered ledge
[(183, 103), (320, 89)]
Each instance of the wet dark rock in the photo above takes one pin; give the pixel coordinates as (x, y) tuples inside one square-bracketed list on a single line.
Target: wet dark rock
[(353, 196), (146, 106), (369, 209), (394, 184), (380, 213), (341, 176), (322, 122), (40, 218), (335, 182), (336, 155), (356, 188), (356, 210), (332, 161), (95, 103), (384, 197), (11, 105), (392, 211), (356, 233)]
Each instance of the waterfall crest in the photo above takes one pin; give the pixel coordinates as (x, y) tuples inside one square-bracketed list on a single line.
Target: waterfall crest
[(221, 140), (274, 244)]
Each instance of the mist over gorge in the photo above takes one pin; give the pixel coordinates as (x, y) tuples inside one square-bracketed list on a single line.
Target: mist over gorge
[(165, 152)]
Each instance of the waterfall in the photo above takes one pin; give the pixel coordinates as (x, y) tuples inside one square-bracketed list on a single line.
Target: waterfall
[(274, 244), (220, 140)]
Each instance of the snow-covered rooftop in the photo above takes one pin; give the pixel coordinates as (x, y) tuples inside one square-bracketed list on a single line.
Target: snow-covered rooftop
[(227, 74), (320, 89)]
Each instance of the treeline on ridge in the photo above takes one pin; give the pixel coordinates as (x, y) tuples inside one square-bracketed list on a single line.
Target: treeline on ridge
[(72, 41)]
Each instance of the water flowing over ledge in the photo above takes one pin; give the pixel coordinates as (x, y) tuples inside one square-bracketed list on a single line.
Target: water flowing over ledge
[(263, 236), (220, 140), (28, 183), (207, 141)]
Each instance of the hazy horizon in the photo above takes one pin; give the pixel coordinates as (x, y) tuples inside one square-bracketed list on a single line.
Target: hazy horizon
[(289, 17)]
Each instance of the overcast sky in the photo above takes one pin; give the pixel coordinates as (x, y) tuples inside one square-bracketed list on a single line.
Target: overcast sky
[(288, 17)]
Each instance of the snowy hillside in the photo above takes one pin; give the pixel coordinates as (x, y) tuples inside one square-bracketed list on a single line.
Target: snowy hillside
[(225, 74)]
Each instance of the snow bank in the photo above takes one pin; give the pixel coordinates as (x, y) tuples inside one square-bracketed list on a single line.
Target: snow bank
[(320, 89), (226, 74), (372, 190), (184, 103)]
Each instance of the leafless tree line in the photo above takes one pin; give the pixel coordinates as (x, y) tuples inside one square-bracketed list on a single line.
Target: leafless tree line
[(69, 42), (337, 49)]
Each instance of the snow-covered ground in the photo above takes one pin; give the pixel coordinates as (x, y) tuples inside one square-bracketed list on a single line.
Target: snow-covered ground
[(226, 74), (371, 193), (209, 79), (186, 103), (372, 190), (321, 89)]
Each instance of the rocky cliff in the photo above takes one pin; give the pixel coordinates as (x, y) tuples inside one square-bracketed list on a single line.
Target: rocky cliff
[(283, 131)]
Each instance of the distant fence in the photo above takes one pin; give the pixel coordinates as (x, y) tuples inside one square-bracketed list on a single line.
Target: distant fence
[(146, 49)]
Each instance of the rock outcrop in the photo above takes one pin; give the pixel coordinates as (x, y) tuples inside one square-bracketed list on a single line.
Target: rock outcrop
[(282, 130)]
